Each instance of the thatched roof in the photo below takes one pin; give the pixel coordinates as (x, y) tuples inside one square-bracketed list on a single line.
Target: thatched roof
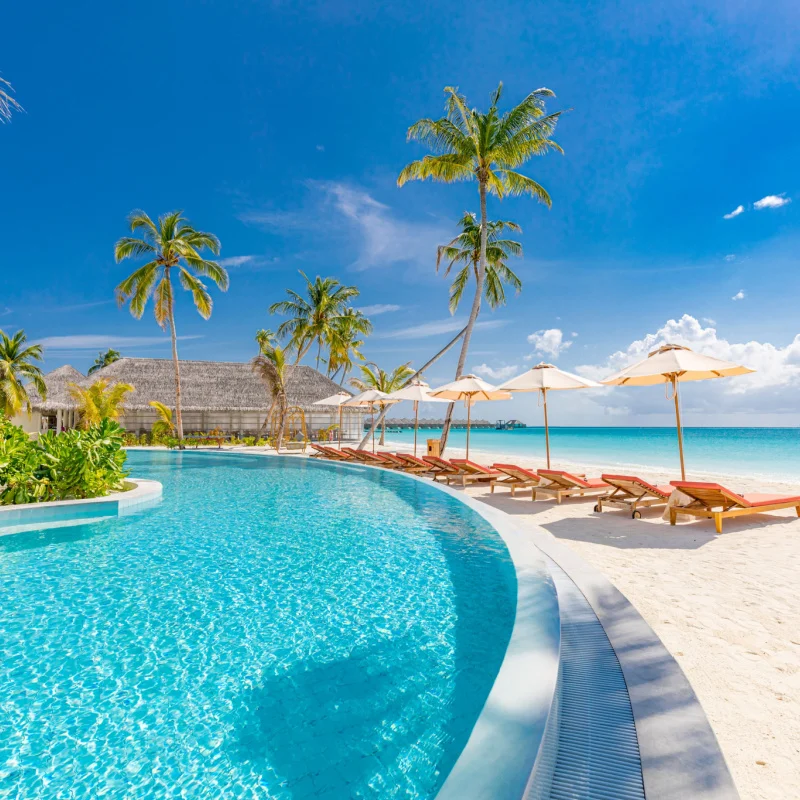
[(57, 382), (205, 385)]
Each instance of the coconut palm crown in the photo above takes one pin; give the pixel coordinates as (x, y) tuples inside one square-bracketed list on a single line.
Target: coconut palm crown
[(17, 370), (373, 377), (171, 244), (7, 103), (104, 359), (465, 250), (99, 401)]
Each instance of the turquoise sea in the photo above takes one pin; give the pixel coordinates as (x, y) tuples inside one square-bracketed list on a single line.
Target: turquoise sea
[(769, 453)]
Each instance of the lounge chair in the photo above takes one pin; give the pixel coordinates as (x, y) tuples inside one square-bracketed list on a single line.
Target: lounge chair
[(328, 452), (709, 496), (632, 493), (517, 478), (410, 464), (564, 484), (470, 472), (390, 461), (441, 467)]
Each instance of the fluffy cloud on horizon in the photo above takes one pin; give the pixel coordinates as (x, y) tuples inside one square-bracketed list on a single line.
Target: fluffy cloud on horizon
[(548, 342), (495, 373)]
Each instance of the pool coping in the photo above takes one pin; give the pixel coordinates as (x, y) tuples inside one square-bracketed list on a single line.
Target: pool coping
[(43, 516)]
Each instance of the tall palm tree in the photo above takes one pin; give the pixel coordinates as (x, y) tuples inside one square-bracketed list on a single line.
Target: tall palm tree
[(7, 103), (487, 147), (373, 377), (271, 366), (104, 359), (98, 401), (346, 342), (312, 318), (171, 244), (16, 371), (465, 250)]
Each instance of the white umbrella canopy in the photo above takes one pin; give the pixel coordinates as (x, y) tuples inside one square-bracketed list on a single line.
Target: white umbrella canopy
[(418, 392), (544, 378), (470, 389), (673, 364), (370, 398), (335, 400)]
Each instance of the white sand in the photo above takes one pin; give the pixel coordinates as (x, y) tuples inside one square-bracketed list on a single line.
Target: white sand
[(727, 607)]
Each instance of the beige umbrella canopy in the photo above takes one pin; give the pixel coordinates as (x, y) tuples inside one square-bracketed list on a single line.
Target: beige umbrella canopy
[(544, 378), (470, 389), (335, 400), (673, 364), (370, 399), (418, 392)]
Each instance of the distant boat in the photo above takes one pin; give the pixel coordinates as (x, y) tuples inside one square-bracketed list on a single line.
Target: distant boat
[(508, 425)]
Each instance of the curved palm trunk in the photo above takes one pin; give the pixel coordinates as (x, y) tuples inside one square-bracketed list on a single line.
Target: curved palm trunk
[(383, 433), (473, 316), (178, 416), (283, 404)]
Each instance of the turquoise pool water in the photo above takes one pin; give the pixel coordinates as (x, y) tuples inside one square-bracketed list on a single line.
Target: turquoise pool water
[(273, 629)]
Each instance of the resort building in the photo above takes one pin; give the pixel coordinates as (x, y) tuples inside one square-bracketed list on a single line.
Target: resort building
[(215, 395)]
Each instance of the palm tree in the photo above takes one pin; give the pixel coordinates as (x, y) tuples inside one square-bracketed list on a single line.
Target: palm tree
[(104, 359), (172, 243), (465, 249), (271, 366), (16, 371), (98, 401), (313, 319), (163, 426), (7, 103), (372, 377), (346, 343), (488, 147)]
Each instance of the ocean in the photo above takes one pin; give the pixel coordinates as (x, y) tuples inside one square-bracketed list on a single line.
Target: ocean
[(769, 453)]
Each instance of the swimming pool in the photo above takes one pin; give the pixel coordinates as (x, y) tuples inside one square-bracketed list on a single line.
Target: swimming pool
[(275, 628)]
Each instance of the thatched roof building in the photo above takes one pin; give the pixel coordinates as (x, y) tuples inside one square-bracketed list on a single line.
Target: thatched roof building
[(205, 385)]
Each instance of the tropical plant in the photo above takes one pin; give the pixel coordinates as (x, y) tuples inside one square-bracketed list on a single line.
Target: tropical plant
[(346, 342), (487, 147), (74, 464), (104, 359), (372, 377), (7, 103), (270, 365), (313, 319), (98, 402), (163, 426), (17, 371), (171, 244), (465, 250)]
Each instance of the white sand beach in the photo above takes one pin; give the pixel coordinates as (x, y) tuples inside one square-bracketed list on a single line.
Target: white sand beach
[(727, 607)]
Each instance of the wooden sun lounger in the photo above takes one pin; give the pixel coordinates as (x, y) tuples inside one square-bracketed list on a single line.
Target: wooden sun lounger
[(329, 452), (563, 484), (470, 472), (709, 496), (414, 465), (442, 468), (360, 456), (518, 478), (390, 460), (632, 493)]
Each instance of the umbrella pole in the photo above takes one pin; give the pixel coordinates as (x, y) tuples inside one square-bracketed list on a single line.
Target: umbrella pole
[(469, 409), (416, 425), (340, 426), (372, 425), (678, 421), (546, 428)]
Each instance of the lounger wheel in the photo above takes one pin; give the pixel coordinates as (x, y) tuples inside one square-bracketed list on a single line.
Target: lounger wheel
[(597, 508), (636, 515)]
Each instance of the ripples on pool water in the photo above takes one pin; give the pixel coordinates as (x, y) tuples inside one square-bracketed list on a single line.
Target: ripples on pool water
[(274, 629)]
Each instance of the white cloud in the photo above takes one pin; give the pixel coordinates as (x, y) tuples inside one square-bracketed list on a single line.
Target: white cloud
[(735, 213), (771, 201), (549, 342), (102, 341), (496, 373), (426, 329), (709, 321), (772, 387), (740, 295), (235, 261), (379, 308), (321, 148), (574, 335), (730, 257)]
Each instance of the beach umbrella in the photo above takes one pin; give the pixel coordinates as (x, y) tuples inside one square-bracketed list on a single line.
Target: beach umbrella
[(370, 399), (418, 392), (335, 400), (673, 364), (470, 389), (544, 378)]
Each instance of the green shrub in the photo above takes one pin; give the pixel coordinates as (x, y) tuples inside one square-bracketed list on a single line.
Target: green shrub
[(74, 464)]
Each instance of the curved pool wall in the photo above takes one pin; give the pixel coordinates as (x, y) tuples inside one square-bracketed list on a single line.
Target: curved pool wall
[(504, 706)]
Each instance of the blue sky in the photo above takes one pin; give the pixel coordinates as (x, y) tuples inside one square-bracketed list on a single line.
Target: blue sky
[(281, 128)]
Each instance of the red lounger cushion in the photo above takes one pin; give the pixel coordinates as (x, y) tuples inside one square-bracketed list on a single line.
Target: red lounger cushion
[(746, 501), (473, 465), (589, 483), (663, 490)]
